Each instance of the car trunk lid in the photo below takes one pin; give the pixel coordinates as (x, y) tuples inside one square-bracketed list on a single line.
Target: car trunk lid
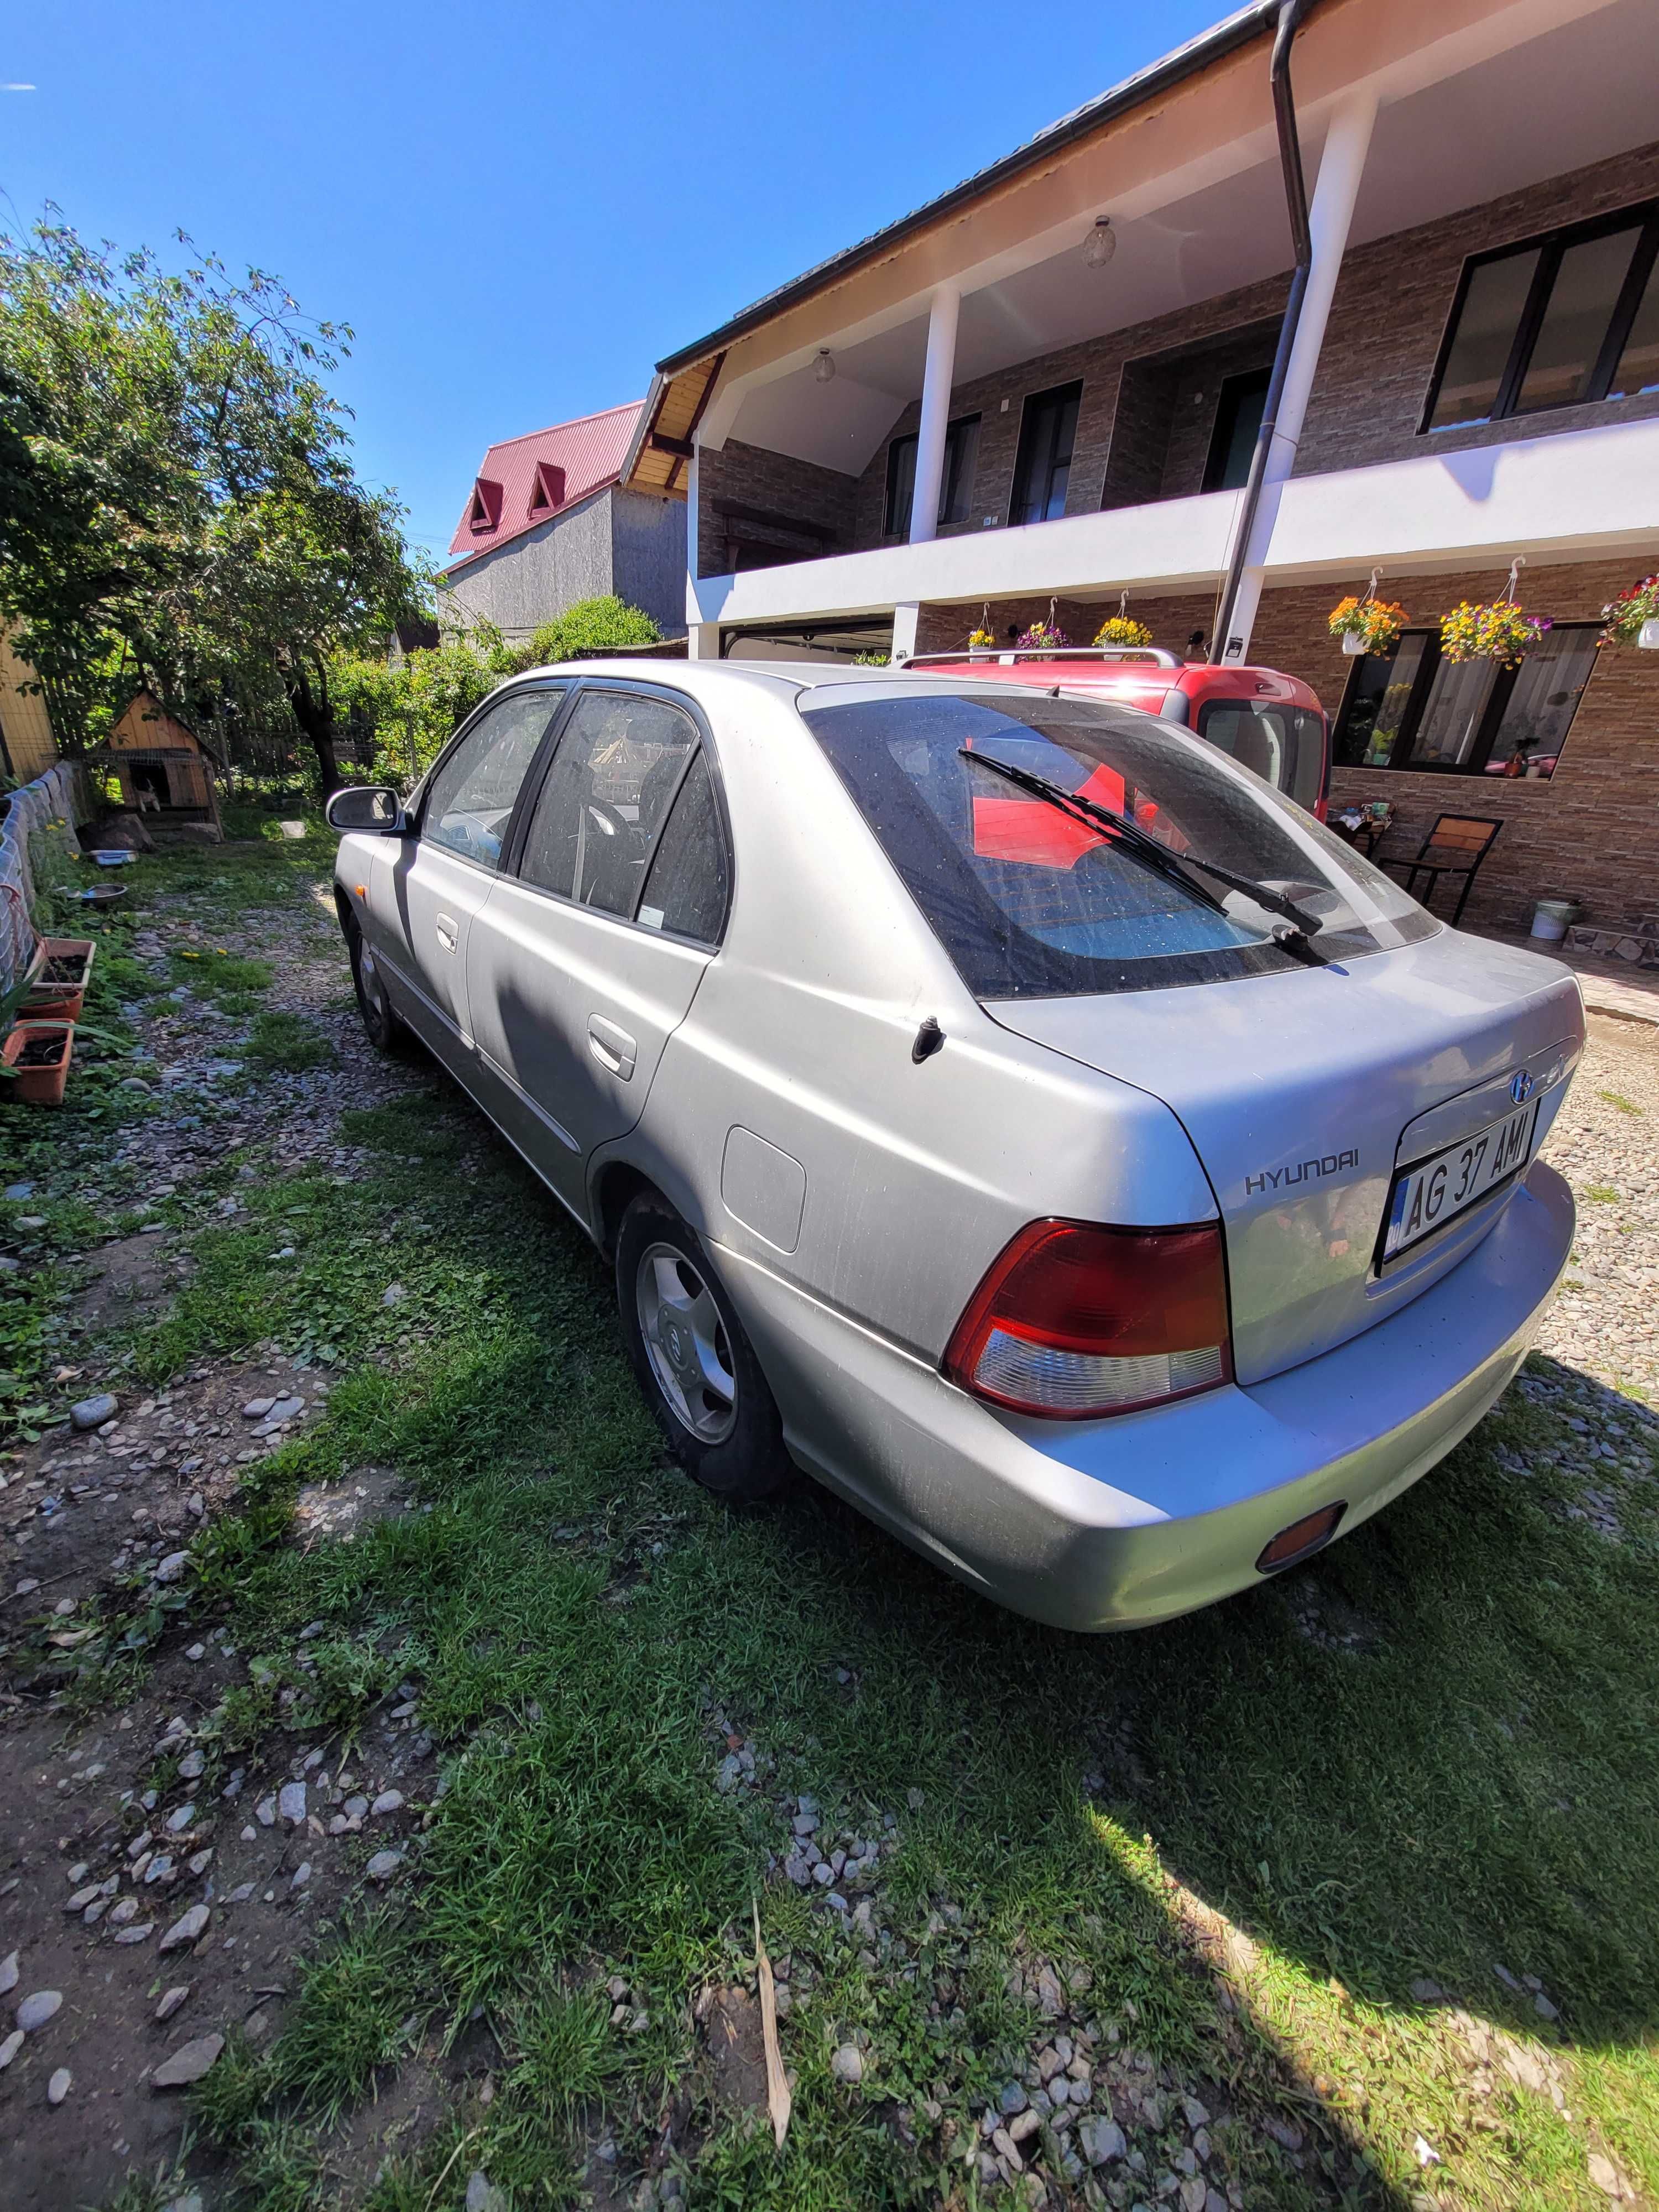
[(1302, 1092)]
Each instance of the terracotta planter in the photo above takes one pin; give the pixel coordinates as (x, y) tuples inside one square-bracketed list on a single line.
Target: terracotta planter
[(45, 1047), (59, 993)]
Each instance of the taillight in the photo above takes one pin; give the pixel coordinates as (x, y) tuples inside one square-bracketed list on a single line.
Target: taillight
[(1074, 1320)]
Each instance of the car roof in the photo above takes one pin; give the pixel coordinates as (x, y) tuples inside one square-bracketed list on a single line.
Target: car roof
[(711, 677)]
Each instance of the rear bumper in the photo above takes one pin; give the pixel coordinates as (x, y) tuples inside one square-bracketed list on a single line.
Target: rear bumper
[(1122, 1524)]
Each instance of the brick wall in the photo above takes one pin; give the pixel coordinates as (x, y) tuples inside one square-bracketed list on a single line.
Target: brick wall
[(1387, 319), (1592, 831), (778, 484), (1389, 311)]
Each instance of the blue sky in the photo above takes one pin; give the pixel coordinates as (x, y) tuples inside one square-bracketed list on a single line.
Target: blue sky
[(520, 208)]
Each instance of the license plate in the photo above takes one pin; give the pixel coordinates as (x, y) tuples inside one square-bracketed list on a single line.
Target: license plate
[(1436, 1190)]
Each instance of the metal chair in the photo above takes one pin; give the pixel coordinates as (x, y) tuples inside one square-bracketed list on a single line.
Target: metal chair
[(1456, 846)]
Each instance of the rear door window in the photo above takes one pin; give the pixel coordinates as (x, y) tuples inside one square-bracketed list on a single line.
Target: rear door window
[(1031, 901), (1284, 745), (620, 760)]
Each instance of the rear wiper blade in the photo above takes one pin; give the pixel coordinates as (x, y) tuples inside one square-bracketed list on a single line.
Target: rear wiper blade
[(1120, 831)]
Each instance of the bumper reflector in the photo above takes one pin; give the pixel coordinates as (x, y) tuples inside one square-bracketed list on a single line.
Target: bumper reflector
[(1301, 1538)]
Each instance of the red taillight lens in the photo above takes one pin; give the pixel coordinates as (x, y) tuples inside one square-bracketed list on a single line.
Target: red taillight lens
[(1074, 1320)]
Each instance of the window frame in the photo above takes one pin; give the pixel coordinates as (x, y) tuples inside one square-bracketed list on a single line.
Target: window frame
[(1404, 760), (1053, 394), (421, 797), (518, 835), (910, 441), (1549, 246)]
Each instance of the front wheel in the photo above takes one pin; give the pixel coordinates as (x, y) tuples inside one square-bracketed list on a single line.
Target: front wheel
[(691, 1357), (380, 1024)]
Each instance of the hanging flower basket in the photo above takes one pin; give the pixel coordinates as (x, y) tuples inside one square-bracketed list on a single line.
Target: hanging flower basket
[(1041, 637), (1500, 632), (1633, 618), (981, 639), (1122, 629), (1368, 625)]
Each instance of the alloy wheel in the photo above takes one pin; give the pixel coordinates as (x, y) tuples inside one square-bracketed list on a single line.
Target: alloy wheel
[(686, 1343)]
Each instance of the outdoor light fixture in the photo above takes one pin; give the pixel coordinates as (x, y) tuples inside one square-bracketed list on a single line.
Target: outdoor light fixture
[(1100, 244), (823, 368)]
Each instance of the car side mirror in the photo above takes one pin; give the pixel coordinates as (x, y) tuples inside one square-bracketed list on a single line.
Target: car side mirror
[(372, 806)]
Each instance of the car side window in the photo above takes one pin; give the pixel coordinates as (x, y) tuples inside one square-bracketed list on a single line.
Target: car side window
[(472, 797), (620, 760), (691, 877)]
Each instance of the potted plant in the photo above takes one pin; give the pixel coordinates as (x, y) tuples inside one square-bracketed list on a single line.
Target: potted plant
[(1633, 618), (58, 991), (1368, 624), (1122, 629), (1496, 630), (982, 640), (36, 1058), (1042, 636)]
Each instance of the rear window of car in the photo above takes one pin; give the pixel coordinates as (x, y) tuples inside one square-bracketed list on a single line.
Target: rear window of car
[(1284, 745), (1030, 902)]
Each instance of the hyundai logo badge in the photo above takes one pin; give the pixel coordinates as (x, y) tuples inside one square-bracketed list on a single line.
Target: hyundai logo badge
[(1520, 1087)]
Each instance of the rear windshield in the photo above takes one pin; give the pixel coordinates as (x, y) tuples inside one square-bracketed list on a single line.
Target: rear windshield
[(1030, 904), (1286, 744)]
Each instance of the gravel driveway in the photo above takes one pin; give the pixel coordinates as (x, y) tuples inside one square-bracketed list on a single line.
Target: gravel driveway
[(1606, 1142)]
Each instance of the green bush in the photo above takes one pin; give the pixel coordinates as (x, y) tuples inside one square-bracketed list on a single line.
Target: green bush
[(591, 626)]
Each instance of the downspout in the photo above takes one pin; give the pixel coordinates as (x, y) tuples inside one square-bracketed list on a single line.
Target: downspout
[(1290, 14)]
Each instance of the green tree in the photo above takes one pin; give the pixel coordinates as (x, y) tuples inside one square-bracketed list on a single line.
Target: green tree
[(177, 497)]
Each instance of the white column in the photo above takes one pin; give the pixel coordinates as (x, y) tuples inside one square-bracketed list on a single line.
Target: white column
[(936, 382), (906, 616), (1340, 168)]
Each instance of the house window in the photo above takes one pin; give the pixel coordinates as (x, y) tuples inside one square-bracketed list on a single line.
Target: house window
[(1553, 323), (548, 490), (1047, 432), (1412, 708), (955, 483), (1238, 423)]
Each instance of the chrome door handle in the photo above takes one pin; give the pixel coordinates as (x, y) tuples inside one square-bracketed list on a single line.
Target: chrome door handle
[(612, 1047), (449, 932)]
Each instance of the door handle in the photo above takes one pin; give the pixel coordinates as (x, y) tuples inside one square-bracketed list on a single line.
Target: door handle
[(449, 932), (612, 1047)]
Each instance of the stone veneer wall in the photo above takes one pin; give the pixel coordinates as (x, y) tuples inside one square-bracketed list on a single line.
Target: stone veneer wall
[(1592, 832)]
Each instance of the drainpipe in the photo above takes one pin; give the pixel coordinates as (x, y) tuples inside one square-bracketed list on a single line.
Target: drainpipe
[(1290, 14)]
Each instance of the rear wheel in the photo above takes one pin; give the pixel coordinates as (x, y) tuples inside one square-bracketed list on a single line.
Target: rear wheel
[(381, 1026), (692, 1359)]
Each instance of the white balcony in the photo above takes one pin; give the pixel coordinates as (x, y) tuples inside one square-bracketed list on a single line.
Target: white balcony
[(1581, 492)]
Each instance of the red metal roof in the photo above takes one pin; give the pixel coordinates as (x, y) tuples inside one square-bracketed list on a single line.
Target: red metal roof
[(588, 454)]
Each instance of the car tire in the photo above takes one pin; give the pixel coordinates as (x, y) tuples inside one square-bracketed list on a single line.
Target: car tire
[(692, 1358), (380, 1024)]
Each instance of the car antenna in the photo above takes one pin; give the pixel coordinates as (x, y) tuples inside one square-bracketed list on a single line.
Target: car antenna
[(929, 1038)]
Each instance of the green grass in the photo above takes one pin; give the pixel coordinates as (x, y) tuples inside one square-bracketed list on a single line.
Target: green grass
[(1468, 1782), (1601, 1193), (286, 1043), (1614, 1098)]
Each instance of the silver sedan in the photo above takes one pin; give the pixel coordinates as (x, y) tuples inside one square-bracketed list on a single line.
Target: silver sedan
[(1000, 1105)]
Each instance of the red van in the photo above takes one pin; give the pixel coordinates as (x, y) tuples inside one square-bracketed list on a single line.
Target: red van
[(1271, 722)]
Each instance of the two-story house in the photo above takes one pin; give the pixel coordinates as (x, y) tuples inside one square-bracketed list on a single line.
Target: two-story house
[(1048, 385)]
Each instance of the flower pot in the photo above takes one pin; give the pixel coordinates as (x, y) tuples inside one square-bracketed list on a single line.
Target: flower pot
[(59, 991), (40, 1052), (1648, 636), (1353, 643)]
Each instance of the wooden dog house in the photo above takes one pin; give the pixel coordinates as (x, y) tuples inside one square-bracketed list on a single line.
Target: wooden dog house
[(162, 768)]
